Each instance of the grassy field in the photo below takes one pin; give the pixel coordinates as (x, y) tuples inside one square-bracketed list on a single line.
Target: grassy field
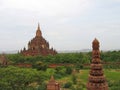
[(112, 76)]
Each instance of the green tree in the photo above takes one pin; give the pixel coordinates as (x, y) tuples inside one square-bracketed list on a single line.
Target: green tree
[(68, 70), (14, 78), (67, 84), (74, 79), (40, 66)]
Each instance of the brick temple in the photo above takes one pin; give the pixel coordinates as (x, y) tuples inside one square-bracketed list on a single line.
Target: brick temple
[(53, 85), (96, 79), (38, 46)]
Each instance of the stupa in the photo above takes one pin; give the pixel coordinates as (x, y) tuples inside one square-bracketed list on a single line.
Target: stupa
[(53, 85), (97, 80)]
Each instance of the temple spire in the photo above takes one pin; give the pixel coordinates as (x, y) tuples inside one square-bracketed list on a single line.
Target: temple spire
[(38, 32), (52, 84), (95, 44), (38, 26), (52, 79)]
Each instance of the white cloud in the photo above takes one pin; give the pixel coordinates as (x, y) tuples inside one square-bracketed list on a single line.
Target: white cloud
[(50, 7), (66, 24), (115, 1)]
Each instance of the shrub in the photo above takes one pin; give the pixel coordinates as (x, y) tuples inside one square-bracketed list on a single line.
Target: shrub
[(68, 85)]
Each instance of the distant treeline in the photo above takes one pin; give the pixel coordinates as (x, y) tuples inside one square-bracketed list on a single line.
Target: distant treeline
[(82, 58)]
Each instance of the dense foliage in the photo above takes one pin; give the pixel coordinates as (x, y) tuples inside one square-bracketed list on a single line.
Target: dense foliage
[(111, 59), (36, 76), (110, 56), (14, 78), (59, 58)]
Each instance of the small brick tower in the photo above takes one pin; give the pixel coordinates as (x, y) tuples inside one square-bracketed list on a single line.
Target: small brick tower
[(97, 79), (53, 85)]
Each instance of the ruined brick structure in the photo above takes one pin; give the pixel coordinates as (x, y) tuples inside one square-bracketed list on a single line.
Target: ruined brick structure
[(38, 46), (3, 60), (53, 85), (97, 79)]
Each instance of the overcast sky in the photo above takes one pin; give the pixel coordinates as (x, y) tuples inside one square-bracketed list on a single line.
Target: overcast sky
[(66, 24)]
